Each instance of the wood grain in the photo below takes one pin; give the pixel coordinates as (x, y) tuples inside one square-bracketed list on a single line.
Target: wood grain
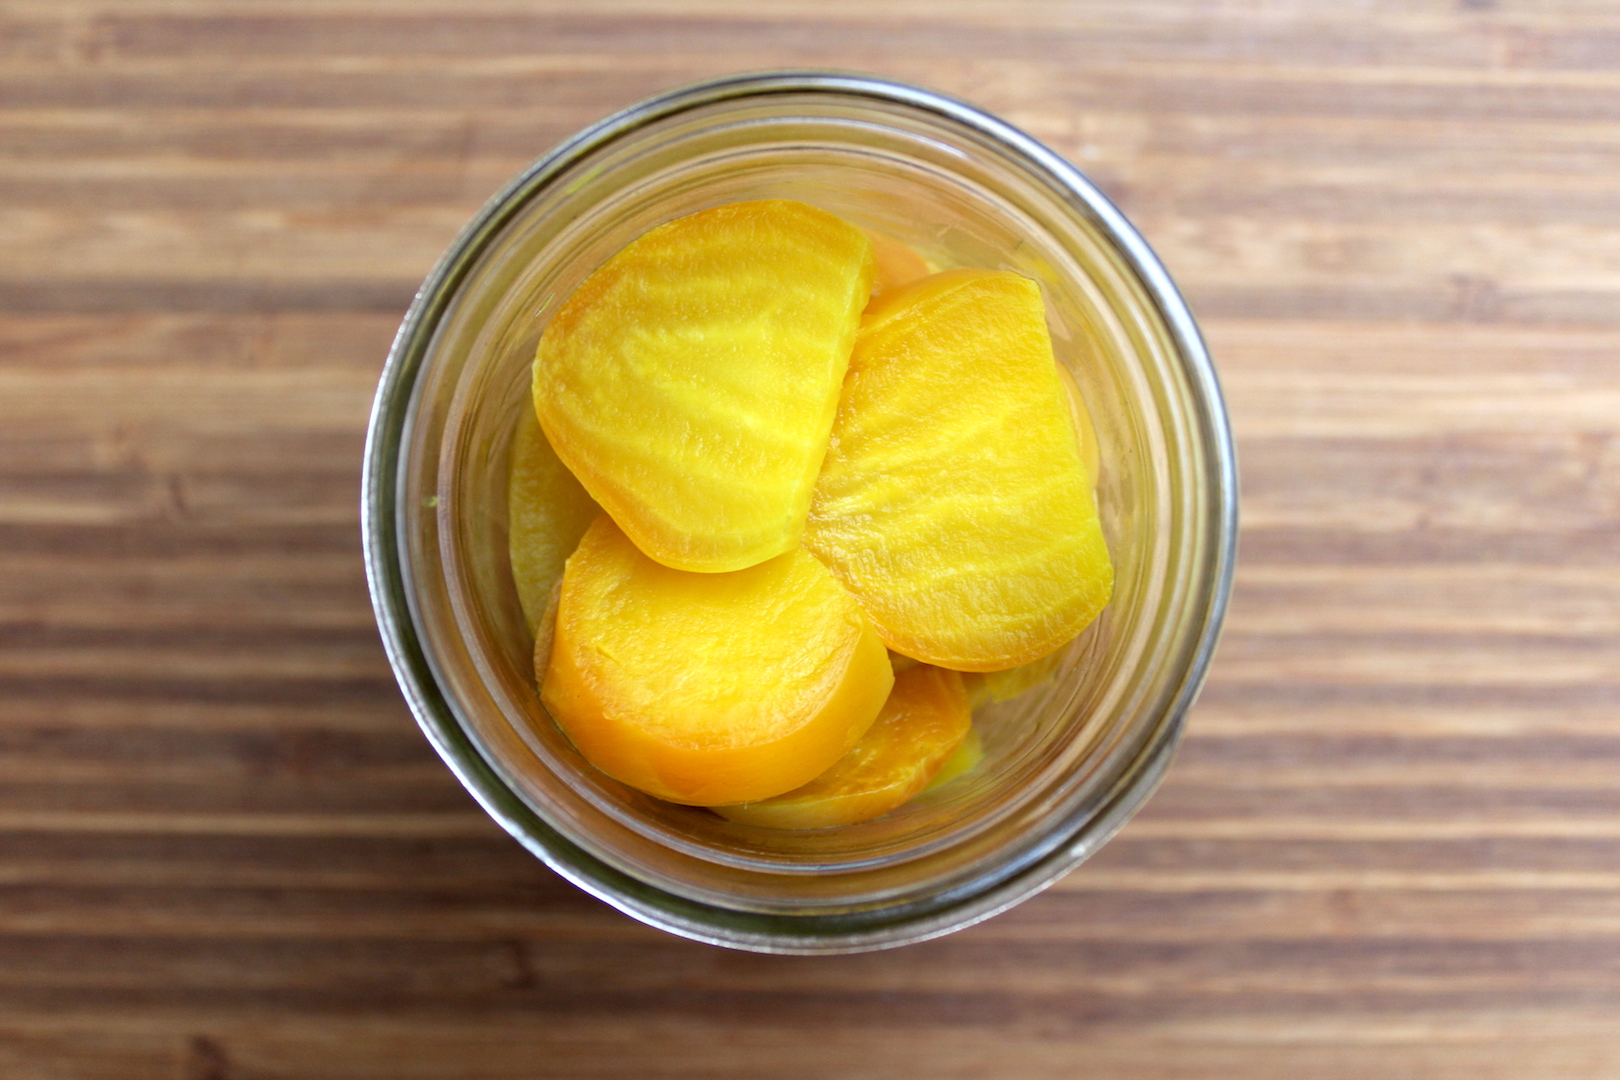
[(1391, 844)]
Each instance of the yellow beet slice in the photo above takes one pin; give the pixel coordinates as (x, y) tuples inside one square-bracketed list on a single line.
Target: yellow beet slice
[(895, 263), (963, 760), (901, 663), (1002, 685), (709, 688), (921, 725), (690, 382), (953, 501), (547, 511)]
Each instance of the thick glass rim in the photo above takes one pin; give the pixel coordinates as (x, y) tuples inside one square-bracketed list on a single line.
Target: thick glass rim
[(388, 575)]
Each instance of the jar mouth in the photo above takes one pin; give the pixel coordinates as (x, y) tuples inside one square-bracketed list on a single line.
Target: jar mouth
[(435, 543)]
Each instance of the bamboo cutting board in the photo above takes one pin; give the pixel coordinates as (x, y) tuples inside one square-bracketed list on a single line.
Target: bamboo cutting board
[(1391, 844)]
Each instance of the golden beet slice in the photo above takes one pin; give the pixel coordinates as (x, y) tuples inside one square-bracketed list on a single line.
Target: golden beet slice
[(1003, 685), (691, 382), (921, 725), (953, 501), (709, 688), (895, 262), (547, 511), (968, 755)]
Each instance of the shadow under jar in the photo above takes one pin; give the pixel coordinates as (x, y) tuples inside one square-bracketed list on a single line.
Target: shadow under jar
[(1065, 763)]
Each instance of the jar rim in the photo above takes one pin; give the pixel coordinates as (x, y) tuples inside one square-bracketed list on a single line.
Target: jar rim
[(389, 575)]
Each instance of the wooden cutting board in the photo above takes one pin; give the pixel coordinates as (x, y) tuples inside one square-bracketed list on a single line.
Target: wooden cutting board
[(1391, 844)]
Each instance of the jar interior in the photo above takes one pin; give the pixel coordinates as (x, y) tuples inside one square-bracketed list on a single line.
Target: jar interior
[(1054, 754)]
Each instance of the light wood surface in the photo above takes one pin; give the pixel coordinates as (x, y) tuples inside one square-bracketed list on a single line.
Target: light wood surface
[(1391, 844)]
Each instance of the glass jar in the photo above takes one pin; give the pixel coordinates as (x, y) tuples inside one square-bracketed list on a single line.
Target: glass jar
[(1065, 763)]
